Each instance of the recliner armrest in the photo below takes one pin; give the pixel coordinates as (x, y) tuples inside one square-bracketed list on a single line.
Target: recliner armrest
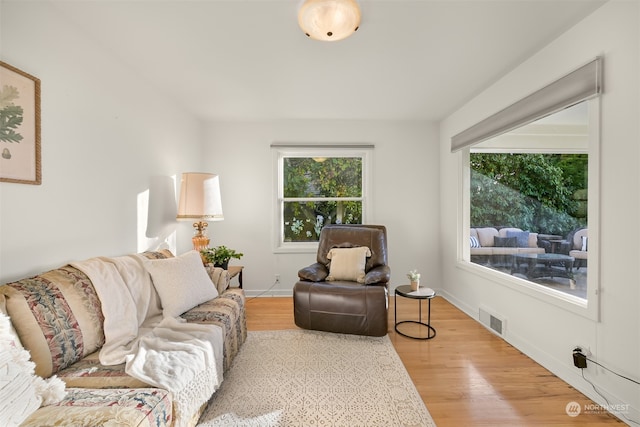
[(314, 273), (379, 274)]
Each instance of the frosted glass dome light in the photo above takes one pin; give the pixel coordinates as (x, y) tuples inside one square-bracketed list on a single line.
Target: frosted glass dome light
[(329, 20)]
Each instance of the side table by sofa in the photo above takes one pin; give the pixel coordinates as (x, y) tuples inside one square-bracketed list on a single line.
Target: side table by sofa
[(236, 270), (421, 294)]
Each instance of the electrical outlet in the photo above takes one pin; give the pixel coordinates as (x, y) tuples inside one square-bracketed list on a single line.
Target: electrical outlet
[(277, 278), (583, 349)]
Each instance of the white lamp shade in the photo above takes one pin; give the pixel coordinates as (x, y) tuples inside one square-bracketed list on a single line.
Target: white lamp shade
[(329, 20), (200, 197)]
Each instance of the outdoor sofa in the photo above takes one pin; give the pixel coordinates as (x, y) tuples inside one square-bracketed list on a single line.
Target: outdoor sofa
[(495, 245)]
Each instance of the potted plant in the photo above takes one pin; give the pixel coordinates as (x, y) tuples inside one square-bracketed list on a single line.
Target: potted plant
[(219, 256), (414, 277)]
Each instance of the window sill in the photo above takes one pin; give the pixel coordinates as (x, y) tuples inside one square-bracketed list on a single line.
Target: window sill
[(296, 248), (560, 299)]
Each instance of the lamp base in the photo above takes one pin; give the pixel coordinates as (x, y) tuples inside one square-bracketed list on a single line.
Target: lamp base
[(200, 239), (200, 242)]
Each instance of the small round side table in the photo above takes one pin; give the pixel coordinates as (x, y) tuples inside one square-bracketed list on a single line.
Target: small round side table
[(421, 294)]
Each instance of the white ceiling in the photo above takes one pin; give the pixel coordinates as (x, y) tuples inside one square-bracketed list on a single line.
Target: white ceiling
[(248, 60)]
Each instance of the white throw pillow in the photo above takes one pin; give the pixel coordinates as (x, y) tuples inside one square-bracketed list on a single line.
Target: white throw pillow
[(348, 263), (182, 282), (21, 391), (18, 397), (585, 243)]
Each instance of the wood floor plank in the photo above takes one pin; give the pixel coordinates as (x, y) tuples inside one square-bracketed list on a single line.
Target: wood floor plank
[(466, 375)]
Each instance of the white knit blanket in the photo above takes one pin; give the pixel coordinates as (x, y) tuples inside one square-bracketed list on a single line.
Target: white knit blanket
[(183, 358)]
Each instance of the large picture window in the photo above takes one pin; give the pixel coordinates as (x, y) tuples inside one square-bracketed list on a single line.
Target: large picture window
[(528, 202), (318, 185), (530, 193)]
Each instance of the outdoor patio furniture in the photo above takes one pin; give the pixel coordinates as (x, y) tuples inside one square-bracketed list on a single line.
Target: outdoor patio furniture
[(580, 243), (575, 246)]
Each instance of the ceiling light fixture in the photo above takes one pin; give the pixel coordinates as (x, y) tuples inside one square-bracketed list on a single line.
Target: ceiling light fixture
[(329, 20)]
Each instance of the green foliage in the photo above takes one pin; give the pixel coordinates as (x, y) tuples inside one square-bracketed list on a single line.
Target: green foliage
[(333, 177), (330, 177), (574, 168), (220, 254), (529, 191)]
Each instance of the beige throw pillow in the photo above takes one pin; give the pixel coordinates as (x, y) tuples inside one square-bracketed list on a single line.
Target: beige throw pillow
[(182, 283), (348, 263)]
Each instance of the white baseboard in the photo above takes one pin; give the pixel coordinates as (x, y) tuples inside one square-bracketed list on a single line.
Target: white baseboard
[(268, 293)]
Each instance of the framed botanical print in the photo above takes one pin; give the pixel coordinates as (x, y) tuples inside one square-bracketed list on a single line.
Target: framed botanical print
[(19, 126)]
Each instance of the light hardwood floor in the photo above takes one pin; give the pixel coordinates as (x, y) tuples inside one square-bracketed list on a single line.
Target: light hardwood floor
[(466, 375)]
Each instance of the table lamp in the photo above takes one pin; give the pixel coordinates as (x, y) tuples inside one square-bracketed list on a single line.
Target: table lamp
[(200, 200)]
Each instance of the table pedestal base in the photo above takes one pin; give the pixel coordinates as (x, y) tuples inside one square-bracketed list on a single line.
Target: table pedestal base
[(431, 332)]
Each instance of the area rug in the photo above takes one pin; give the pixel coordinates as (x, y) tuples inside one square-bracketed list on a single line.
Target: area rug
[(309, 378)]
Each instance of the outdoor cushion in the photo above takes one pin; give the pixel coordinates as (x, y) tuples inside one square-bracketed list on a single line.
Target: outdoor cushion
[(533, 237), (580, 244), (522, 237), (505, 242), (483, 251), (577, 239), (486, 235)]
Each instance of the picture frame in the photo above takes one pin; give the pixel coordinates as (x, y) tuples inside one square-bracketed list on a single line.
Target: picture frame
[(20, 158)]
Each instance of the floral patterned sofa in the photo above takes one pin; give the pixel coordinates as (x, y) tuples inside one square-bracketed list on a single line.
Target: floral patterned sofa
[(59, 318)]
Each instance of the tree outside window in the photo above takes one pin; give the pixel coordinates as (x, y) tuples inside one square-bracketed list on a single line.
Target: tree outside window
[(545, 193), (318, 191), (317, 185)]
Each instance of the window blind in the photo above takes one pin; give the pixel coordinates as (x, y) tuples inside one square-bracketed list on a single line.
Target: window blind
[(577, 86)]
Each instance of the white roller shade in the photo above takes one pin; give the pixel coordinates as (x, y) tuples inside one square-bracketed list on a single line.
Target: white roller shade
[(577, 86)]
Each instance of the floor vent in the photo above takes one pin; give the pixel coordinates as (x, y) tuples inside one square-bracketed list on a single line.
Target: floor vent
[(494, 323)]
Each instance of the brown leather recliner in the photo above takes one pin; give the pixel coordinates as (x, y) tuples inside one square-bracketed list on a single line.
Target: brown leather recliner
[(345, 306)]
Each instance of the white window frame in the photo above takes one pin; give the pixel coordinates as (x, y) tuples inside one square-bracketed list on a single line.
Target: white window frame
[(282, 150), (588, 308)]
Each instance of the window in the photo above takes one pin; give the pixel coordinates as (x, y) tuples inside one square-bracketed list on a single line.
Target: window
[(528, 197), (316, 186), (530, 193)]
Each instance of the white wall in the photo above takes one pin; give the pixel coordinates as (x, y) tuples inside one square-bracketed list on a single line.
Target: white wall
[(545, 331), (405, 193), (105, 133)]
